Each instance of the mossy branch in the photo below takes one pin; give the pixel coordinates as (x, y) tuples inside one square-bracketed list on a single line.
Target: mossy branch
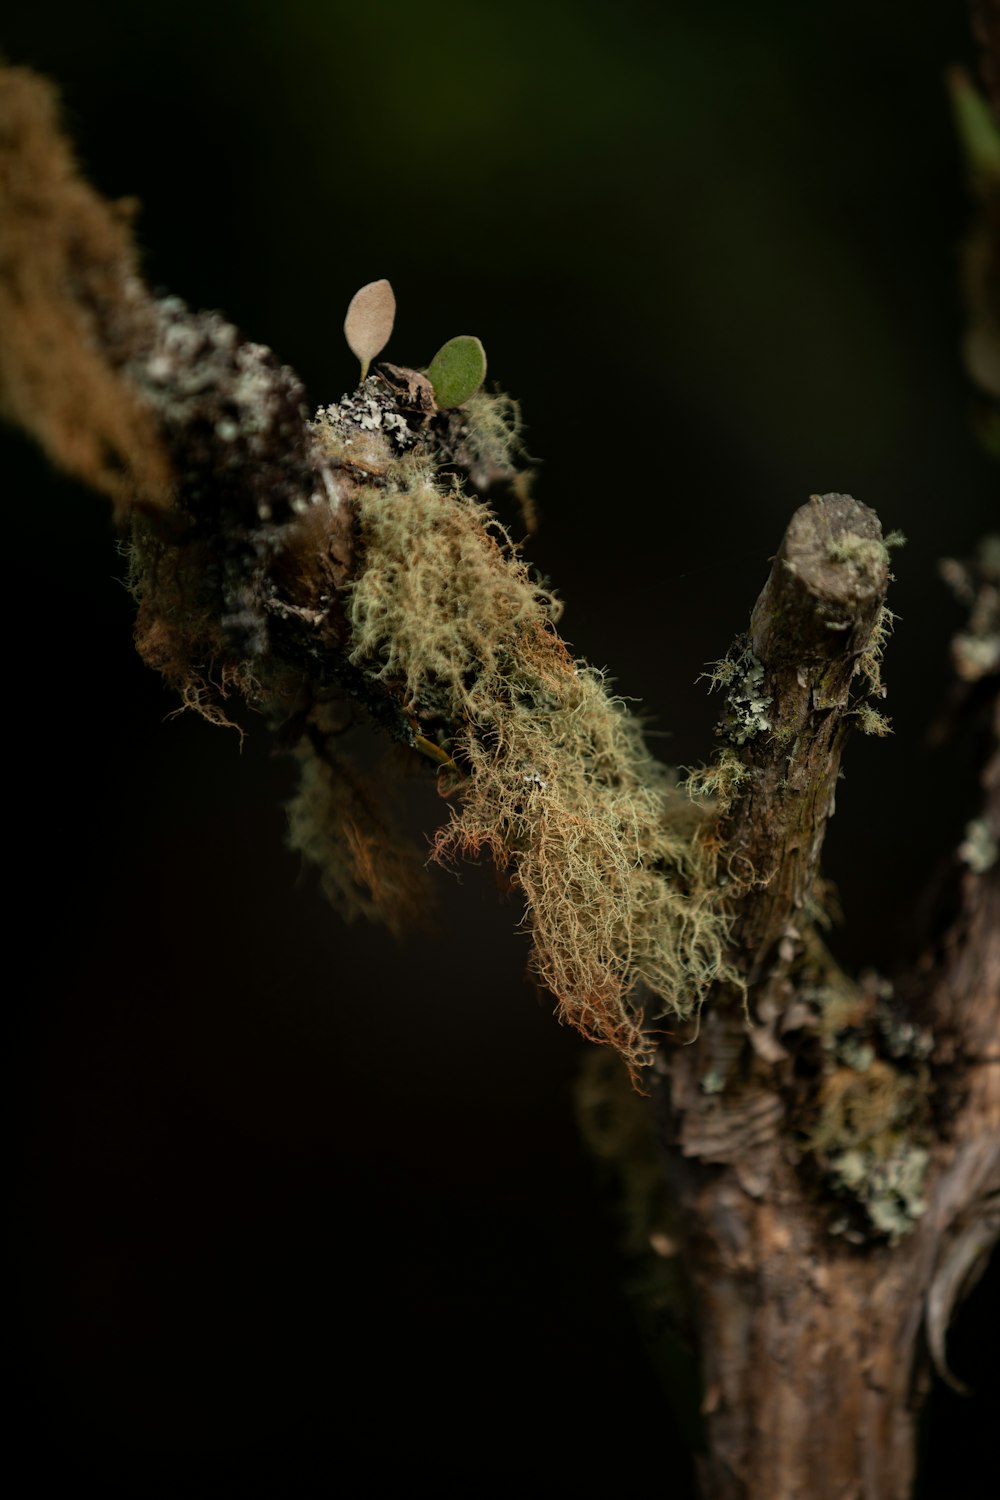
[(815, 632), (832, 1146), (346, 569)]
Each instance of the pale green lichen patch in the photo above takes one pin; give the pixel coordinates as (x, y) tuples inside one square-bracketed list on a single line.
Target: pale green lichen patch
[(869, 1129), (889, 1188), (741, 675), (856, 1055), (862, 555), (979, 847), (976, 584)]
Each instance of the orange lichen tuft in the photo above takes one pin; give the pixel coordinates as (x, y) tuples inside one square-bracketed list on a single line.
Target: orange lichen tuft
[(71, 305)]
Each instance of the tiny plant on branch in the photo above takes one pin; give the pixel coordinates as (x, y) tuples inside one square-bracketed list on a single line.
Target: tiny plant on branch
[(455, 373), (457, 370), (545, 768), (368, 325)]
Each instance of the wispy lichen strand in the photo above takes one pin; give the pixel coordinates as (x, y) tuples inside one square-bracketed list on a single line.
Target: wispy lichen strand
[(615, 861)]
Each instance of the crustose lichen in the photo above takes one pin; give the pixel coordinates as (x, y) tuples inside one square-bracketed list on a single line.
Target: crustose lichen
[(742, 677)]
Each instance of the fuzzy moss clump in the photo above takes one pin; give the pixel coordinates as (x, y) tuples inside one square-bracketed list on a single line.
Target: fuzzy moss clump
[(552, 778)]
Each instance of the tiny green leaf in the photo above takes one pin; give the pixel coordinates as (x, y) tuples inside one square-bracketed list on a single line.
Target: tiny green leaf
[(977, 131), (457, 370), (369, 321)]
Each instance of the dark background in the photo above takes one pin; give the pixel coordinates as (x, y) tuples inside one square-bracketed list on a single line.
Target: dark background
[(299, 1209)]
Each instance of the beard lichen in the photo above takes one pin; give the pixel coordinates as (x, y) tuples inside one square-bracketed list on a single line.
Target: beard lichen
[(549, 771), (426, 622)]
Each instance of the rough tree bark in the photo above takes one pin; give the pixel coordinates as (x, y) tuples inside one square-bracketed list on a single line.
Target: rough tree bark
[(833, 1147), (813, 1341)]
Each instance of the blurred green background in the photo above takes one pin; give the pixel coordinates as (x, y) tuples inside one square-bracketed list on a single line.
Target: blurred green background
[(292, 1199)]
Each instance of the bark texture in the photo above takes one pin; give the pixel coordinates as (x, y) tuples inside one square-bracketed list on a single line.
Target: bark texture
[(817, 1330)]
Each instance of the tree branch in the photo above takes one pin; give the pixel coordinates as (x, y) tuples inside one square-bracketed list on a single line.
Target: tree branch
[(827, 1122), (832, 1145), (816, 629)]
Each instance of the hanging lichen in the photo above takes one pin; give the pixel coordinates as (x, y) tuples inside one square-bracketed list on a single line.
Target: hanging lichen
[(615, 861)]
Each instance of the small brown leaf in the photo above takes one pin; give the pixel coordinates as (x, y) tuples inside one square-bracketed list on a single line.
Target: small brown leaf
[(369, 321)]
